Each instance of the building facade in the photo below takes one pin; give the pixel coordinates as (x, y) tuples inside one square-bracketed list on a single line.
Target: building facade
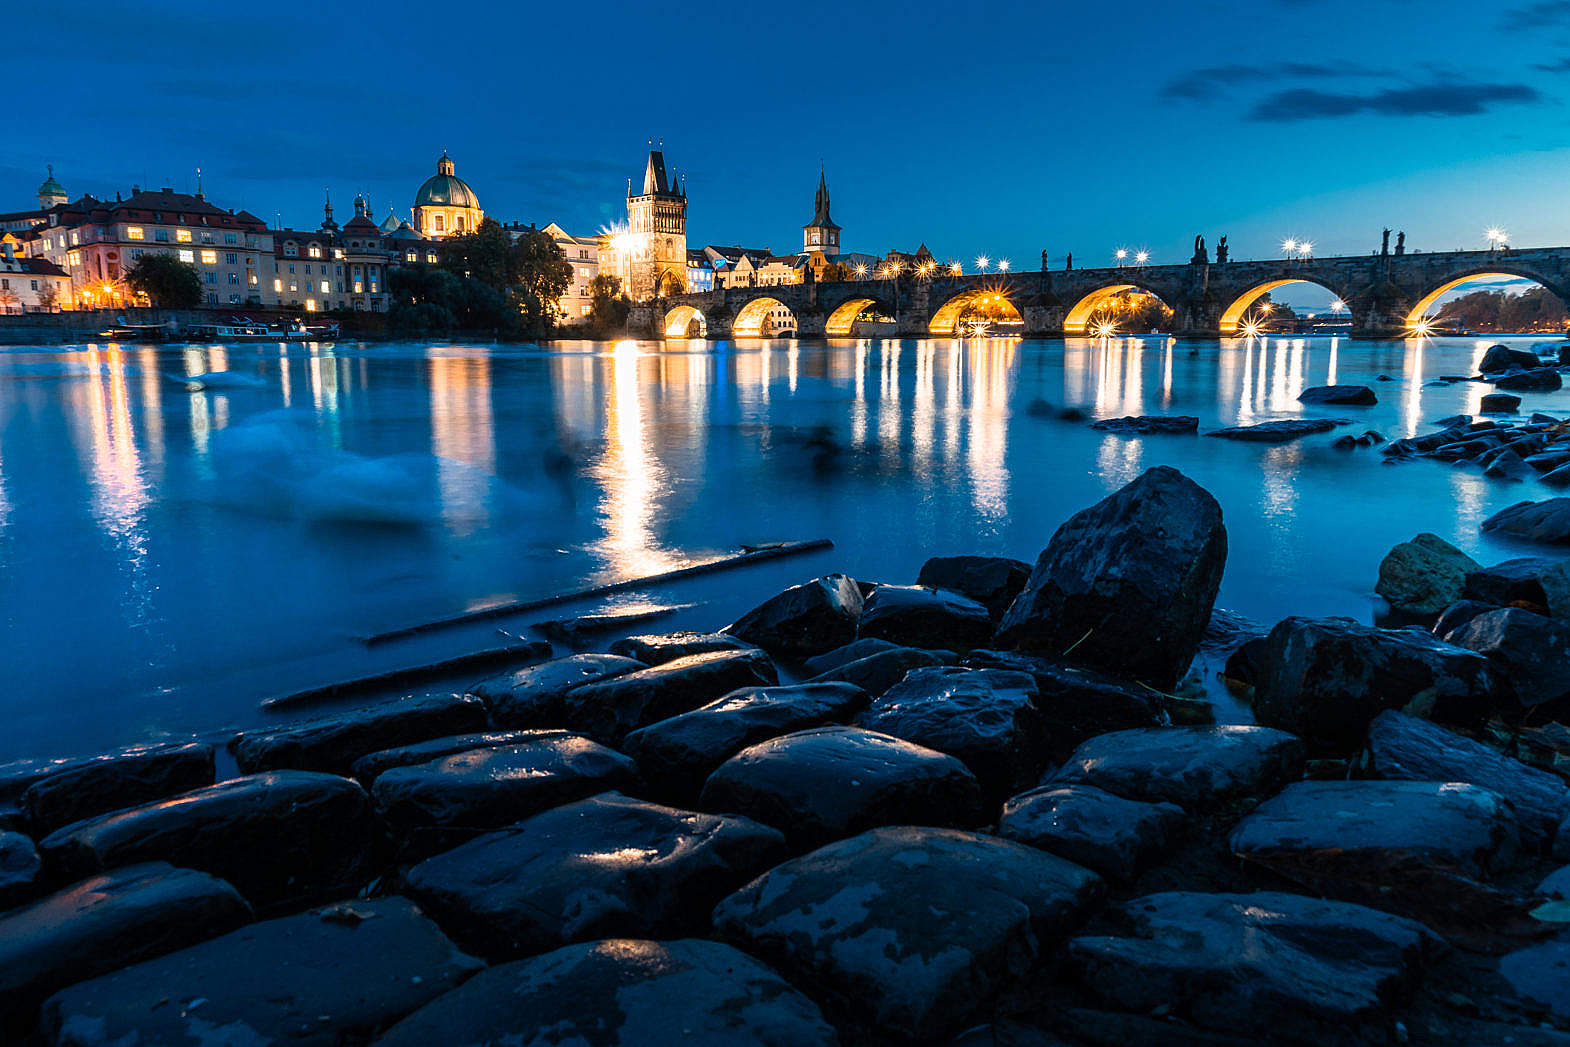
[(583, 254), (30, 285), (444, 205), (333, 268), (653, 251)]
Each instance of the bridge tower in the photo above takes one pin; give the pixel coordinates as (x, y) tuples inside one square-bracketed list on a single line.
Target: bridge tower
[(656, 234), (821, 234)]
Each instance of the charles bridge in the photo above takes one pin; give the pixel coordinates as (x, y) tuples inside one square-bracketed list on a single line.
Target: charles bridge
[(1385, 294)]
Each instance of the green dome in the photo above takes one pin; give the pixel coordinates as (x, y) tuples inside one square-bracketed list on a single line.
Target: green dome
[(445, 188), (50, 186)]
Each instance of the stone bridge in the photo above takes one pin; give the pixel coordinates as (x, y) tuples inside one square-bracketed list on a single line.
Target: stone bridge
[(1386, 295)]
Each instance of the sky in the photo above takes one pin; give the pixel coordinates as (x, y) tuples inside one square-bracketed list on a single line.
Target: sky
[(992, 128)]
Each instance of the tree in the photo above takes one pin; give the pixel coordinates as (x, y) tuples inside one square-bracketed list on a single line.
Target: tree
[(48, 297), (539, 274), (8, 299), (165, 281), (837, 271), (483, 255), (608, 307)]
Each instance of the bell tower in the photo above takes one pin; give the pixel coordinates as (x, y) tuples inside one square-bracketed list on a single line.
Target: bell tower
[(821, 234), (656, 233)]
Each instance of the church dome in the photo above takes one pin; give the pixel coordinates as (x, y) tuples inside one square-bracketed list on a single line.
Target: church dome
[(445, 188), (50, 186)]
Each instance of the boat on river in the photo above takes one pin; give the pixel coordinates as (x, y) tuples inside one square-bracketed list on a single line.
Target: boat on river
[(235, 329), (128, 332)]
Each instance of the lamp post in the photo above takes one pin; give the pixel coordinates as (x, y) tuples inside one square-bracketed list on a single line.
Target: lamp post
[(1121, 254), (1289, 247)]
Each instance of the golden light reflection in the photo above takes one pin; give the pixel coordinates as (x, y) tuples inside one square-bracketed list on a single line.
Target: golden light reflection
[(463, 430), (631, 475)]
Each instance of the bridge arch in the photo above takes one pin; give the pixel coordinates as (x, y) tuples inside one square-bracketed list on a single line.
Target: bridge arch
[(995, 300), (1421, 309), (682, 320), (1077, 320), (841, 322), (1232, 316), (763, 317)]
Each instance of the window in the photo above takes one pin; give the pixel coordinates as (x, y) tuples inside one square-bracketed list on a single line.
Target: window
[(187, 256), (440, 224), (460, 223), (183, 235), (413, 257), (161, 235), (230, 238), (291, 267), (133, 232), (75, 240), (290, 250), (234, 278), (430, 257), (278, 285), (212, 297), (251, 279), (5, 285), (207, 237), (310, 305), (209, 257), (73, 258), (294, 285), (359, 288), (212, 277), (35, 284), (231, 258), (315, 251), (136, 252), (234, 299), (327, 287)]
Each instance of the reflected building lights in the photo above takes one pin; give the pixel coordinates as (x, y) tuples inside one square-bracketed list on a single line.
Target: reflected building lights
[(632, 477), (463, 433)]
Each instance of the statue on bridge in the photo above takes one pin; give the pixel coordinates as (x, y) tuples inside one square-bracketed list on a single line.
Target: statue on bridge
[(1201, 254), (1068, 263), (1043, 259), (1222, 251), (1401, 242), (1384, 248)]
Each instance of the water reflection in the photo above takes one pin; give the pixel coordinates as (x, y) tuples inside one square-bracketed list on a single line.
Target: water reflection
[(462, 431), (628, 472)]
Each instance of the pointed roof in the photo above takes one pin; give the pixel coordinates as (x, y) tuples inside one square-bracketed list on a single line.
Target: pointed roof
[(654, 179), (820, 215), (391, 222)]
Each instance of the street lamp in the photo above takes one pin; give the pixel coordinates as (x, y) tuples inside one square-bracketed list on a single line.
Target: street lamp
[(982, 261), (1289, 247), (1003, 265), (1304, 249), (1120, 254), (1497, 239), (1142, 257), (957, 269)]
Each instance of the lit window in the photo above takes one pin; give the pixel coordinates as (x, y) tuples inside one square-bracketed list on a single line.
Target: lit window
[(209, 257), (252, 279), (73, 259), (294, 285), (133, 232), (441, 224), (310, 305), (430, 256), (359, 287), (326, 287), (278, 285), (315, 252), (413, 257), (75, 240), (187, 256), (183, 235)]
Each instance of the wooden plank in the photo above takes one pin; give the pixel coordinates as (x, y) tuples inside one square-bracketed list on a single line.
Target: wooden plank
[(533, 650)]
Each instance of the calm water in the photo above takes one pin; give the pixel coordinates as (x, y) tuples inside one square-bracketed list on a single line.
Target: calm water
[(172, 556)]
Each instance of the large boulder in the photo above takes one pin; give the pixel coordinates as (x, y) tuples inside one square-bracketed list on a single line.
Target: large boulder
[(331, 744), (1108, 834), (1540, 379), (804, 620), (1405, 747), (607, 710), (532, 696), (1541, 974), (659, 648), (1276, 432), (118, 780), (1503, 358), (1197, 768), (844, 655), (105, 922), (21, 870), (1498, 403), (1423, 576), (1533, 583), (1325, 679), (603, 867), (283, 836), (621, 993), (911, 932), (986, 717), (677, 755), (1279, 966), (1127, 585), (319, 979), (1341, 395), (1148, 424), (992, 581), (915, 616), (829, 782), (1528, 652), (1547, 521), (367, 767), (879, 671)]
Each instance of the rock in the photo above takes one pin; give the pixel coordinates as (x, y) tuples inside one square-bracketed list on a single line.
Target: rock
[(333, 976), (1247, 663), (1499, 403), (367, 767), (830, 782), (1326, 678), (1197, 768), (1507, 465), (912, 932), (851, 652), (1541, 973), (1405, 747), (992, 581), (1559, 477), (1528, 652), (667, 647), (603, 867), (1503, 358), (145, 767), (1349, 395), (1148, 424), (282, 836), (621, 993), (1541, 379), (1556, 884), (20, 869), (915, 616), (1530, 582), (1108, 834), (878, 672), (1423, 576), (331, 744), (1457, 615), (104, 922), (985, 717), (608, 709), (678, 755), (1076, 703), (114, 781), (1277, 432), (1127, 585), (1282, 966), (1546, 521), (804, 620), (1345, 443), (532, 696), (490, 788)]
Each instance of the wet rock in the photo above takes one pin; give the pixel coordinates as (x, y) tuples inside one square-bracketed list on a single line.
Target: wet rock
[(830, 782), (367, 767), (1556, 884), (1076, 703), (282, 836), (912, 932), (1503, 358), (1457, 615), (1559, 477), (331, 744), (1127, 585), (1246, 664), (1282, 966), (1326, 678), (878, 672), (804, 620), (1108, 834), (851, 652), (104, 922), (992, 581), (677, 755), (20, 869), (621, 993), (1277, 432), (490, 788), (1547, 521), (667, 647), (1499, 403), (1148, 424), (1352, 395), (1423, 576), (1548, 461), (1405, 747), (1528, 652), (1197, 768), (1530, 582), (115, 781), (985, 717), (603, 867), (319, 979), (1541, 974), (915, 616), (532, 696), (1507, 465), (608, 709), (1541, 379)]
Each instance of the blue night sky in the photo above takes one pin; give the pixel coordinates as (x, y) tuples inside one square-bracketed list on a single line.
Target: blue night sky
[(986, 127)]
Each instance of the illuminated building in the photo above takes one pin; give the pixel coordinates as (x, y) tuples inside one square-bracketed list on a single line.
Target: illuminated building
[(583, 254), (334, 268), (30, 285), (700, 272), (445, 205), (821, 234), (653, 251)]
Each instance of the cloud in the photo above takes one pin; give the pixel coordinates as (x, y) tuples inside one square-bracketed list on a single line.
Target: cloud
[(1536, 15), (1213, 82), (1432, 99), (1561, 66)]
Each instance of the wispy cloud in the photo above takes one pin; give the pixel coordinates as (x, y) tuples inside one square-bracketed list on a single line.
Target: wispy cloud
[(1434, 99), (1561, 66), (1217, 81), (1536, 15)]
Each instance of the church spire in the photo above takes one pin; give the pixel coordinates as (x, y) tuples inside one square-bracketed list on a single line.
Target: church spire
[(327, 209)]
